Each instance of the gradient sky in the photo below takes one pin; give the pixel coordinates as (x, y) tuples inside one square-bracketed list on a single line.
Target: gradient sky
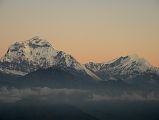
[(90, 30)]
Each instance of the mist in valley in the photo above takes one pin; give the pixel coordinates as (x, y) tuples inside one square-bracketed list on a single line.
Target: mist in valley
[(80, 104)]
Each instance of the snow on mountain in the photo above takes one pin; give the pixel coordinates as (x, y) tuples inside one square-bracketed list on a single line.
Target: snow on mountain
[(32, 50), (129, 66), (30, 55)]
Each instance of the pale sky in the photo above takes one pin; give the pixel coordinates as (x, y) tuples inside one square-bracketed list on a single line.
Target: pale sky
[(89, 30)]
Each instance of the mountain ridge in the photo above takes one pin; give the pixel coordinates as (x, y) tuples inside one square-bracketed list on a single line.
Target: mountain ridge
[(128, 67), (28, 56), (36, 53)]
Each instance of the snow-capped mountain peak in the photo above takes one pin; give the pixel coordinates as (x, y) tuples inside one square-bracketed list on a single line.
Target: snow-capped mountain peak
[(27, 56), (38, 42), (36, 53), (135, 62), (29, 49), (128, 66), (136, 58)]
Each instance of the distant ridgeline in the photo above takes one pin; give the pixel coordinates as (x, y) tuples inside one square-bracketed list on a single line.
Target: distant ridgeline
[(36, 58)]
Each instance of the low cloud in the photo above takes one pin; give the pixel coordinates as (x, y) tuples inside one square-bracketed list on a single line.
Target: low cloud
[(126, 96), (45, 93), (11, 95)]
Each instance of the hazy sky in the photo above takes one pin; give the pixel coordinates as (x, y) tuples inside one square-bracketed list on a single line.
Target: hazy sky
[(90, 30)]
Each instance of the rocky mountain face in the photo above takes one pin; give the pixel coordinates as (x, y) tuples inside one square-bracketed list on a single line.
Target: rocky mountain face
[(31, 55), (27, 56), (124, 68), (23, 58)]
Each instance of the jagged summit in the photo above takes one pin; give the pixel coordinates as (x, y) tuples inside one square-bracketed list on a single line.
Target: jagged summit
[(36, 53), (38, 42), (125, 60), (32, 50), (29, 55), (132, 57), (135, 59), (127, 66), (32, 43)]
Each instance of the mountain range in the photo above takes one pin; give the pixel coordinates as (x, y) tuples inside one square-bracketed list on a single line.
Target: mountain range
[(36, 58)]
